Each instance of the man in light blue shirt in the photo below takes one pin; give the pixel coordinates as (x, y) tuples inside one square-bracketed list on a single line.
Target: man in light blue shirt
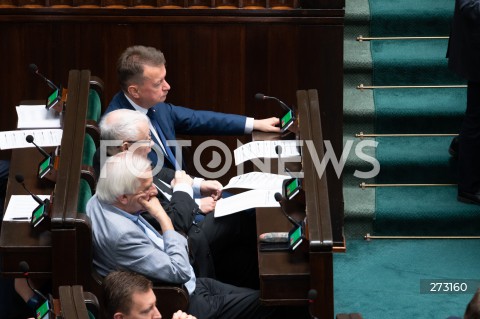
[(122, 239)]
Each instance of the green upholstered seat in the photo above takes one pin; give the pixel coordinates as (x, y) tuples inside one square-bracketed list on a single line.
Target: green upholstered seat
[(84, 194), (94, 110), (89, 149)]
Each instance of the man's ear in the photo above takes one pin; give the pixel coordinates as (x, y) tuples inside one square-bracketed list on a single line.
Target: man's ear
[(133, 91), (118, 315), (124, 146), (123, 199)]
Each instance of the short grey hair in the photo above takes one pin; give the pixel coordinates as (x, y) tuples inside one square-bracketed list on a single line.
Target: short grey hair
[(122, 124), (121, 175), (131, 62)]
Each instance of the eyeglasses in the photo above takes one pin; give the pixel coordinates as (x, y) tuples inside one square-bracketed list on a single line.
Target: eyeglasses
[(147, 141)]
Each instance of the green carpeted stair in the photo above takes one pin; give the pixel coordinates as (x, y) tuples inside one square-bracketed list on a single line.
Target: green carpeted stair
[(381, 278)]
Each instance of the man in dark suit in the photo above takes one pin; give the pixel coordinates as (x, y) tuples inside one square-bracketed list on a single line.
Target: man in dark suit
[(464, 59), (142, 76), (213, 242)]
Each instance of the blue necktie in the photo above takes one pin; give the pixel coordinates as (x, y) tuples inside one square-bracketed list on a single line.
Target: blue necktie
[(168, 154)]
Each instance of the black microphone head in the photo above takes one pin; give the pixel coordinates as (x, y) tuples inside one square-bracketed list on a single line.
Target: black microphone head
[(259, 96), (278, 149), (29, 138), (312, 294), (278, 197), (33, 67), (19, 178), (23, 265)]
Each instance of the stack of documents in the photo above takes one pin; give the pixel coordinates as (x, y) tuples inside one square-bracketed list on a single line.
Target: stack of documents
[(17, 139), (37, 116), (266, 149), (262, 194), (44, 125), (20, 207)]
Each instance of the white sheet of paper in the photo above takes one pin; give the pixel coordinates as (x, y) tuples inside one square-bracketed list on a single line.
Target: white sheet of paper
[(246, 200), (20, 207), (16, 139), (37, 116), (265, 149), (258, 180)]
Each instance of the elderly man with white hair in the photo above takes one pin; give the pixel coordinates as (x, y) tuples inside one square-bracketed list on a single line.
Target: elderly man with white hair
[(222, 248), (124, 240)]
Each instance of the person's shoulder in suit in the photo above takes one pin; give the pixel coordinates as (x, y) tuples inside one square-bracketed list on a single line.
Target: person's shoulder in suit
[(119, 101)]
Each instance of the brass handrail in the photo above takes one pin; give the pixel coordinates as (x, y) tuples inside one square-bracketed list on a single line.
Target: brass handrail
[(371, 87), (361, 38), (365, 135), (370, 237), (364, 185)]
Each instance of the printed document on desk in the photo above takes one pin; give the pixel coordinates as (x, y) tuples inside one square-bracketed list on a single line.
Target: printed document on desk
[(258, 180), (37, 116), (20, 207), (245, 200), (17, 139), (266, 149)]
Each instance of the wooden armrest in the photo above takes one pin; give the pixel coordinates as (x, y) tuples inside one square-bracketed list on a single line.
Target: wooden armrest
[(97, 84), (88, 174), (92, 129), (170, 298), (91, 301)]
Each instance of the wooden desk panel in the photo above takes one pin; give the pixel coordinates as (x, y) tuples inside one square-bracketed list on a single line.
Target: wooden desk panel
[(24, 162), (19, 242), (48, 251), (285, 276)]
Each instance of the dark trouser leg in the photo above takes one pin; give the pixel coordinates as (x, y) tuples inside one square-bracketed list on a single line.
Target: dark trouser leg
[(469, 143), (233, 244), (213, 299)]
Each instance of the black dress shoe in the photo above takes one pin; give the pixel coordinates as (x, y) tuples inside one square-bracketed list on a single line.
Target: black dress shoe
[(453, 149), (469, 198)]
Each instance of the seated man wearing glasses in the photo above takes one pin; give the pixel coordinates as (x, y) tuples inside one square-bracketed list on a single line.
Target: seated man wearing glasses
[(122, 239)]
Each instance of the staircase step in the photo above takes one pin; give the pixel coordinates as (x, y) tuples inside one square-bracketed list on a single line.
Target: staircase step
[(421, 211), (415, 160), (412, 62), (411, 17), (419, 110)]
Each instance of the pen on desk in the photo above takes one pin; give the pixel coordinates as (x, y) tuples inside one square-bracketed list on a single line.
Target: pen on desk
[(21, 218)]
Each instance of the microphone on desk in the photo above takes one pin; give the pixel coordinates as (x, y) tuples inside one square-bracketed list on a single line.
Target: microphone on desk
[(278, 150), (40, 213), (19, 178), (34, 68), (24, 268), (280, 199), (30, 139), (287, 119), (261, 96), (48, 166)]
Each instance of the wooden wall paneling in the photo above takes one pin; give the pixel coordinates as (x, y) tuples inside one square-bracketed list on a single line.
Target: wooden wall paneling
[(202, 61), (216, 63), (257, 81), (230, 69)]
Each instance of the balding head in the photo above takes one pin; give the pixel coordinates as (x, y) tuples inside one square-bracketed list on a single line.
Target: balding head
[(123, 124)]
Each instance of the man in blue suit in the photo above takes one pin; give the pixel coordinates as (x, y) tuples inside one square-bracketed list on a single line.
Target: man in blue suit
[(464, 59), (142, 75)]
